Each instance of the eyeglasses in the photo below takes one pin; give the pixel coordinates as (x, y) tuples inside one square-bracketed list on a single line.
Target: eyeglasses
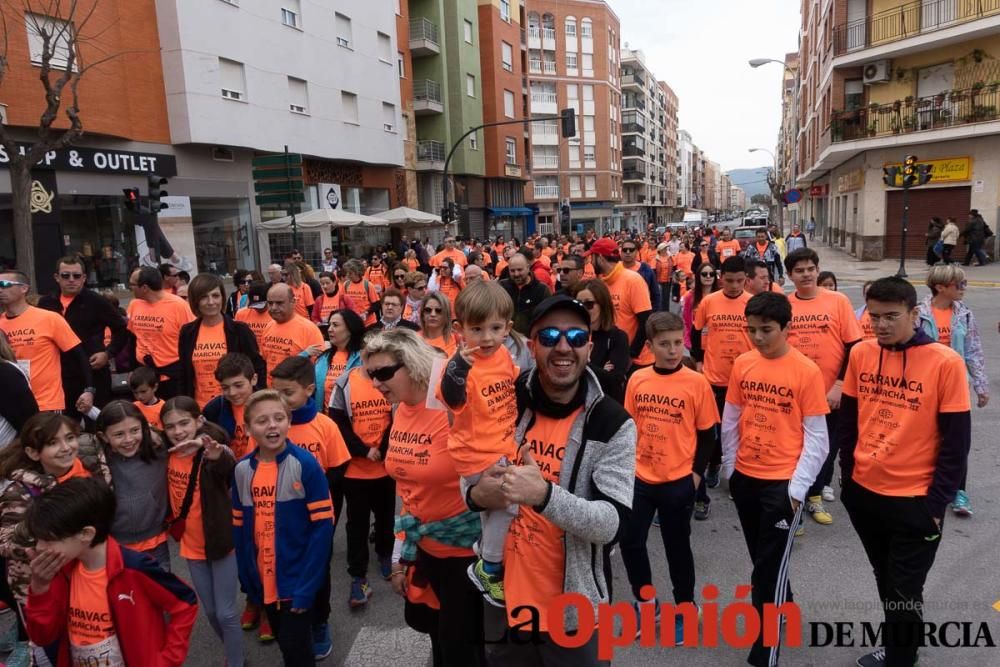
[(707, 274), (399, 276), (385, 373), (4, 284), (419, 287), (628, 249), (564, 270), (549, 336), (432, 311), (67, 275), (246, 282), (888, 318), (589, 305)]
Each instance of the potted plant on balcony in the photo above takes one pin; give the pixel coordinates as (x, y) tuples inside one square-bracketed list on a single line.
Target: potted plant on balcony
[(897, 105), (956, 96), (908, 100), (872, 128), (940, 97)]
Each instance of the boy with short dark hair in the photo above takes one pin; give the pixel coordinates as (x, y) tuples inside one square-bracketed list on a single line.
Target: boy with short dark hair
[(96, 601), (675, 418), (143, 382), (237, 378), (774, 442)]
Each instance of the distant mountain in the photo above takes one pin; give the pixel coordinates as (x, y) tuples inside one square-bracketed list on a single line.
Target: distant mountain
[(752, 181)]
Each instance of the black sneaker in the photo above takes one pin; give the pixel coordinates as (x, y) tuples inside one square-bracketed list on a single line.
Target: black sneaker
[(874, 659), (712, 478), (701, 510)]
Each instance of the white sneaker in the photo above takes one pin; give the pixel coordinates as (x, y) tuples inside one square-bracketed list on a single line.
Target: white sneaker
[(828, 494)]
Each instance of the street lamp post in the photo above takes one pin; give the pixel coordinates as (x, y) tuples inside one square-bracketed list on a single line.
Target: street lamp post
[(755, 63)]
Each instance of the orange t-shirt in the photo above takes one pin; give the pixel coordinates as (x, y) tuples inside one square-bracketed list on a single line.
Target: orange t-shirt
[(663, 267), (683, 261), (450, 289), (76, 470), (534, 555), (761, 249), (337, 365), (328, 304), (727, 249), (426, 479), (157, 327), (900, 395), (378, 276), (89, 622), (630, 297), (65, 301), (454, 253), (483, 429), (648, 256), (361, 298), (669, 409), (867, 332), (942, 320), (257, 320), (286, 339), (151, 413), (264, 489), (321, 438), (776, 396), (208, 349), (37, 337), (821, 327), (178, 473), (240, 444), (149, 543), (303, 299), (371, 415), (501, 265), (411, 265), (724, 337), (439, 343)]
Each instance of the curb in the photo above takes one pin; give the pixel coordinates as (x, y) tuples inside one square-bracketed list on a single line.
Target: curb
[(920, 283)]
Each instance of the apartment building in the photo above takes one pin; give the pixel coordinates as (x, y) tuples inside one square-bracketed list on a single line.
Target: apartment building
[(885, 79), (786, 156), (573, 61), (408, 120), (671, 130), (713, 186), (687, 152), (737, 198)]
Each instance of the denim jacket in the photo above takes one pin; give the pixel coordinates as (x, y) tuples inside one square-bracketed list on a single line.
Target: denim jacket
[(964, 339)]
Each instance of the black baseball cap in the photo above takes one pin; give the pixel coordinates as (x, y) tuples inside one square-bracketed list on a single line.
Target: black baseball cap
[(257, 295), (556, 303)]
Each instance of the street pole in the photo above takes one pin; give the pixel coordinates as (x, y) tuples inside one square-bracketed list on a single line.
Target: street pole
[(901, 273), (291, 200)]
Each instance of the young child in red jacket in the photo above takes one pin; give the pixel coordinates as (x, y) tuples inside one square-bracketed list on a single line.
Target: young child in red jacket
[(93, 601)]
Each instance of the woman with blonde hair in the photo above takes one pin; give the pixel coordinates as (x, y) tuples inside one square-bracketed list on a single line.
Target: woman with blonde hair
[(292, 275), (435, 323)]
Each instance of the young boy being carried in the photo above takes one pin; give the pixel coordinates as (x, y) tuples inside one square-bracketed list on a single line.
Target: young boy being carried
[(675, 418), (478, 387)]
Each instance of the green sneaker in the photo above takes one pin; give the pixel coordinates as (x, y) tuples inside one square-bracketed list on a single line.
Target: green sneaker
[(490, 585)]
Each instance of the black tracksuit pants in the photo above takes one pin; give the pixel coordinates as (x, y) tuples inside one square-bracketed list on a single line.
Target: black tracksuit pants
[(367, 497), (716, 460)]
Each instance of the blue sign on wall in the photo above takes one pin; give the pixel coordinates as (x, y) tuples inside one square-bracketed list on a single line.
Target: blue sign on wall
[(793, 196)]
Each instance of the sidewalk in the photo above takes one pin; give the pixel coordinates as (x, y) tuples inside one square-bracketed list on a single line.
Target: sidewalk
[(849, 269)]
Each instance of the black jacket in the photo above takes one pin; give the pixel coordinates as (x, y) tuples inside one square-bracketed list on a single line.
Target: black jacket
[(525, 299), (611, 345), (233, 303), (239, 338), (402, 324)]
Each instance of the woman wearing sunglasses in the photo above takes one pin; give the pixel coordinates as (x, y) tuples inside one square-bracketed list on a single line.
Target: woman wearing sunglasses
[(435, 323), (945, 318), (610, 357), (706, 281), (430, 570)]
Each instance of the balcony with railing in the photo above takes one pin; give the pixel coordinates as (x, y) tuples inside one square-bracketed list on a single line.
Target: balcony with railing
[(633, 149), (979, 104), (544, 103), (542, 161), (536, 66), (430, 155), (633, 80), (424, 38), (636, 173), (546, 191), (544, 134), (916, 18), (427, 97), (549, 39)]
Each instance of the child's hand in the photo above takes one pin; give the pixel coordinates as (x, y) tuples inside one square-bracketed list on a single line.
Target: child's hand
[(374, 454), (44, 567), (213, 449), (186, 448), (466, 352)]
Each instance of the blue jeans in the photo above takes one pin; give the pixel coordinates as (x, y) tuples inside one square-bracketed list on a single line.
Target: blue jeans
[(216, 583)]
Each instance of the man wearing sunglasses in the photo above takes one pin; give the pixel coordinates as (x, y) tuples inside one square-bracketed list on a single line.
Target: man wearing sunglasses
[(630, 260), (565, 516), (88, 315), (629, 294)]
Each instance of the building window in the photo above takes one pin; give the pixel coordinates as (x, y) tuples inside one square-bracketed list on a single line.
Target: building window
[(290, 13), (349, 103), (589, 157), (298, 96), (474, 142), (232, 80), (570, 61), (588, 64), (571, 93), (470, 85), (586, 28), (60, 34), (574, 186), (507, 56), (468, 31), (401, 64), (388, 117), (505, 10), (385, 48), (511, 150), (570, 26), (508, 104), (590, 186), (588, 92), (343, 30)]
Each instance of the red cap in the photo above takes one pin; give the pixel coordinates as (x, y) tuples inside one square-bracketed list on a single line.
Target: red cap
[(604, 247)]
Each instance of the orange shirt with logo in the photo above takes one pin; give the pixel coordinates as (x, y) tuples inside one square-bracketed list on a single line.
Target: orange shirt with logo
[(483, 430), (151, 413), (157, 327), (942, 320), (240, 444), (534, 555), (321, 438), (669, 409), (371, 415), (264, 488), (727, 249), (724, 334), (257, 320), (38, 337), (378, 276), (336, 367), (776, 396), (178, 473), (821, 327), (89, 622), (328, 304), (900, 395), (683, 261), (286, 339), (450, 289), (447, 347), (867, 332), (630, 296), (208, 349), (425, 474), (303, 299), (454, 253), (362, 295)]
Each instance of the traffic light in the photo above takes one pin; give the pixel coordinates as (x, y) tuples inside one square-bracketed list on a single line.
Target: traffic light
[(924, 174), (453, 211), (889, 175), (446, 214), (155, 191), (909, 171), (567, 118), (564, 212), (131, 198)]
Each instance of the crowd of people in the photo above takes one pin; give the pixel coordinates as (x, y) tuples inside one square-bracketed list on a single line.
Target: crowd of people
[(459, 383)]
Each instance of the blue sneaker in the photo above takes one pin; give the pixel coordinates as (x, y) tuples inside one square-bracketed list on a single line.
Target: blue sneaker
[(961, 506), (679, 628), (360, 592), (385, 567), (638, 606), (322, 645)]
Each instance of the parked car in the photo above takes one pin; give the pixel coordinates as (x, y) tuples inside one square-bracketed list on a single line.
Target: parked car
[(745, 235)]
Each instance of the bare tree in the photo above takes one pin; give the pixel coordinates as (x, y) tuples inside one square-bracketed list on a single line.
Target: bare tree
[(61, 26), (778, 196)]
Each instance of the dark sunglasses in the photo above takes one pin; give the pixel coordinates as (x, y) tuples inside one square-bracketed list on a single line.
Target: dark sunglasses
[(549, 336), (67, 275), (246, 282), (628, 249), (565, 270), (4, 284), (432, 311), (708, 274), (589, 305), (399, 276), (385, 373)]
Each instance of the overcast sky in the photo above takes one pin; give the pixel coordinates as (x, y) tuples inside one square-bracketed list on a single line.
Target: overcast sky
[(701, 48)]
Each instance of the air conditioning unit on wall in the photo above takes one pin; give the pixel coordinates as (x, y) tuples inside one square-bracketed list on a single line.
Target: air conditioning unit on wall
[(879, 71)]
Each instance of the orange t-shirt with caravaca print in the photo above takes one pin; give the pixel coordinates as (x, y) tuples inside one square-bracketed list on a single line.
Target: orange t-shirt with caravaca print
[(426, 479), (867, 331), (336, 367), (303, 299), (89, 623), (630, 296), (38, 337), (483, 430), (378, 276), (321, 438), (157, 327), (449, 288), (328, 304), (361, 298), (447, 347), (727, 249), (942, 320), (151, 413), (534, 556), (286, 339), (724, 337), (669, 409), (240, 444), (178, 474), (371, 415), (208, 349), (776, 396), (821, 327), (900, 395), (257, 320), (265, 489)]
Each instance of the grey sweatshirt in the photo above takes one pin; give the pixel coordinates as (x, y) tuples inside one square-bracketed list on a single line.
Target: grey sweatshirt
[(141, 497)]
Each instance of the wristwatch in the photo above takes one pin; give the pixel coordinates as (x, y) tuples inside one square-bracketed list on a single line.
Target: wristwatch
[(89, 390)]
